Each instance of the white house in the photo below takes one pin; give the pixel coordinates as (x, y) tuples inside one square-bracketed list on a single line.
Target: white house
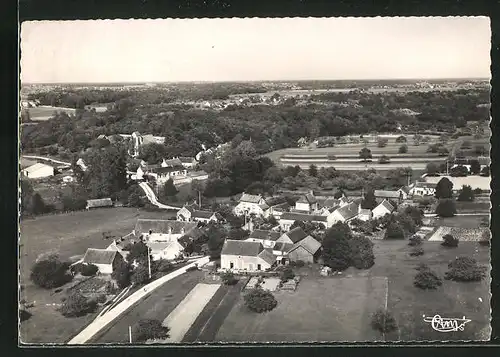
[(306, 203), (384, 208), (156, 230), (165, 250), (175, 162), (365, 214), (397, 195), (266, 238), (38, 170), (344, 213), (163, 174), (237, 255), (251, 204), (423, 189), (187, 162), (293, 236), (104, 259), (191, 213)]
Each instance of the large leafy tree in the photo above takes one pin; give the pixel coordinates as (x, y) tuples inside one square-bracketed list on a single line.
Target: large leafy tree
[(152, 153), (336, 250), (149, 329), (466, 194), (446, 208), (444, 188), (369, 201), (50, 273), (169, 189), (365, 154)]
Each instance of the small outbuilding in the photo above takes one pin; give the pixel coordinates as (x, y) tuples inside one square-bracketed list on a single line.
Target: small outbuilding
[(105, 260)]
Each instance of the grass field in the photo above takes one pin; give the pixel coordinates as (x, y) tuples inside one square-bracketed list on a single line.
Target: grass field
[(459, 221), (45, 112), (472, 234), (68, 235), (157, 305), (473, 181), (329, 309), (339, 308)]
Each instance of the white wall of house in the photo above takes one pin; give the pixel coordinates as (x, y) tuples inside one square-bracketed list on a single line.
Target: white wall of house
[(243, 207), (169, 253), (285, 224), (302, 206), (334, 218), (380, 211), (163, 237), (105, 268), (43, 171), (422, 191), (184, 212), (265, 242), (365, 217), (242, 263)]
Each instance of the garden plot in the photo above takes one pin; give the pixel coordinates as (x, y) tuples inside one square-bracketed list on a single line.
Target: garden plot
[(270, 284), (463, 234)]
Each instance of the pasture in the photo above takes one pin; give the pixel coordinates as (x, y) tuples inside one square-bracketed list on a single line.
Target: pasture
[(474, 181), (472, 234), (339, 308), (46, 112)]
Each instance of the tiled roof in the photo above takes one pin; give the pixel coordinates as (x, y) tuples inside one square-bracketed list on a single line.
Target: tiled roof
[(99, 256), (267, 256), (292, 216), (386, 204), (274, 201), (186, 160), (202, 214), (36, 167), (101, 202), (309, 243), (296, 234), (241, 247), (308, 198), (264, 235), (250, 198), (163, 170), (264, 206), (349, 211), (157, 247), (365, 212), (172, 162), (425, 185), (387, 194), (330, 202), (282, 247), (162, 226)]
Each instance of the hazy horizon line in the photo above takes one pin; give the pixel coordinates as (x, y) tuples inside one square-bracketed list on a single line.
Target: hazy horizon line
[(270, 80)]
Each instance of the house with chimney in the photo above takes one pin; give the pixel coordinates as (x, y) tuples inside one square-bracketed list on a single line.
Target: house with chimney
[(345, 213), (250, 204), (299, 246), (105, 260), (397, 195), (192, 213), (307, 203), (266, 238), (241, 256), (287, 219), (422, 189), (384, 208)]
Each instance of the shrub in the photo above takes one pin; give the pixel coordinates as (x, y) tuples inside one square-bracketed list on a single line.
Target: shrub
[(427, 280), (449, 241), (485, 171), (485, 238), (383, 321), (297, 263), (259, 300), (382, 142), (77, 305), (140, 275), (417, 251), (162, 265), (478, 191), (384, 159), (401, 139), (24, 315), (394, 231), (88, 269), (192, 268), (121, 274), (403, 149), (459, 171), (50, 273), (465, 269), (362, 256), (415, 241), (228, 278), (422, 267), (149, 329), (287, 274), (446, 208), (466, 194)]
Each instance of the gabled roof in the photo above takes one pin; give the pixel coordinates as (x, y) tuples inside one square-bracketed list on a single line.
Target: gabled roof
[(296, 234), (264, 235), (250, 198), (366, 212), (293, 216), (186, 160), (100, 202), (387, 194), (281, 207), (99, 256), (387, 205), (283, 247), (425, 185), (264, 206), (267, 256), (164, 170), (308, 198), (162, 226), (309, 243), (349, 211), (36, 167), (172, 162), (275, 201), (157, 247), (202, 214), (330, 202), (242, 248)]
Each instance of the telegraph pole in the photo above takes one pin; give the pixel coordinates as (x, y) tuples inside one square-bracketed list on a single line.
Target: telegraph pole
[(130, 334), (199, 198), (149, 262)]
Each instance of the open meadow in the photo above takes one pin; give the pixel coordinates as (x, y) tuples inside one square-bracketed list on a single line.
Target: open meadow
[(68, 235), (339, 308), (46, 112)]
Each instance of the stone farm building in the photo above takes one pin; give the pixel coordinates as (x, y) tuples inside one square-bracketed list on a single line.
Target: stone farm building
[(384, 208), (38, 170), (306, 250), (306, 203), (191, 213), (105, 260), (241, 256), (266, 238), (99, 203), (289, 218)]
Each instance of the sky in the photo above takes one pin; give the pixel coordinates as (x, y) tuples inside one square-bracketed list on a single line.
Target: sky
[(171, 50)]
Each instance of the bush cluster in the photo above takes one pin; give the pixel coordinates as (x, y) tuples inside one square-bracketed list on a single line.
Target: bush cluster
[(417, 251), (427, 279), (287, 274), (362, 256), (259, 300), (465, 269), (415, 241), (228, 278), (383, 321), (149, 329), (76, 305), (50, 273), (449, 241)]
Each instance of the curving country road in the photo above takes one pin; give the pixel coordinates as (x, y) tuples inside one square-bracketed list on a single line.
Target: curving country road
[(102, 321), (152, 197)]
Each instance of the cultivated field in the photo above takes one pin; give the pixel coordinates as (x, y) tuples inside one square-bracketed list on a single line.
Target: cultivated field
[(68, 235), (473, 181), (46, 112), (467, 221), (462, 234), (339, 308)]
